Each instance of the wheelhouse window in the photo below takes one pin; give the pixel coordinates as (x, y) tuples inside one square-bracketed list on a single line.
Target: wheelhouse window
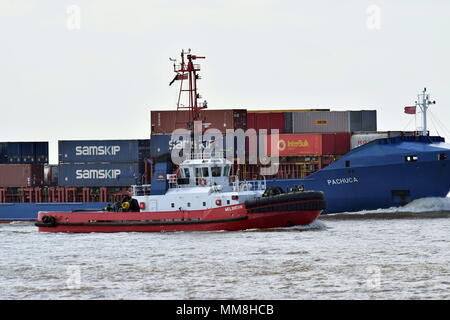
[(226, 170), (186, 173), (411, 158), (215, 171), (205, 172)]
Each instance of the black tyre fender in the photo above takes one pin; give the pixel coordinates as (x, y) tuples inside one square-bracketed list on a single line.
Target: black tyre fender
[(285, 197), (50, 221)]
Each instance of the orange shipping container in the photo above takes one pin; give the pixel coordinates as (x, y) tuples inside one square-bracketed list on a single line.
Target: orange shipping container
[(309, 144)]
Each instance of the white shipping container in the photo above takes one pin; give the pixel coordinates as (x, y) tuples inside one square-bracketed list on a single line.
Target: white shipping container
[(362, 138)]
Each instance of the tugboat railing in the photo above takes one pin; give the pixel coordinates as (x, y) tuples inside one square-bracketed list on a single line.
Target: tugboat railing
[(141, 190), (236, 185), (252, 185)]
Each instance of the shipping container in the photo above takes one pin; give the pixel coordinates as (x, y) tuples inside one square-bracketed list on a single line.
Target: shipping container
[(21, 175), (100, 174), (310, 144), (25, 152), (165, 122), (160, 145), (363, 137), (288, 122), (331, 121), (94, 151), (265, 120), (163, 144), (368, 120)]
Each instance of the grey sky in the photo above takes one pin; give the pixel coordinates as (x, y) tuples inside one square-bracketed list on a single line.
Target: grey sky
[(100, 81)]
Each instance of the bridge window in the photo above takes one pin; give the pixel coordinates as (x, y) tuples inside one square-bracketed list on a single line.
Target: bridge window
[(442, 156), (205, 172), (411, 158), (186, 172), (226, 170), (215, 171)]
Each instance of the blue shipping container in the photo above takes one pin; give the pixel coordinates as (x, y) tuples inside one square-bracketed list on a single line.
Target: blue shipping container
[(162, 144), (26, 152), (91, 151), (99, 175), (159, 145)]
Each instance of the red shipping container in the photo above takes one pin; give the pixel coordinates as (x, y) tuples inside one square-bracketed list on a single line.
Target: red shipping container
[(310, 144), (342, 145), (265, 120), (21, 175), (165, 122)]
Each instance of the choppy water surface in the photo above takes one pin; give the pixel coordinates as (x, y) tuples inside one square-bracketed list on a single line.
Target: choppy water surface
[(382, 258)]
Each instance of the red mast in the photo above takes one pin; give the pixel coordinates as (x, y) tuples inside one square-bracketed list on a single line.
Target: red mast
[(187, 70)]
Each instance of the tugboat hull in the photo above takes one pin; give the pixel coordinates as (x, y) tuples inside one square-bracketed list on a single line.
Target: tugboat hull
[(267, 214)]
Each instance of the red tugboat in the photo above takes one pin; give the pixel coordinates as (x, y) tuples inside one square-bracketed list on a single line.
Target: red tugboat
[(202, 196)]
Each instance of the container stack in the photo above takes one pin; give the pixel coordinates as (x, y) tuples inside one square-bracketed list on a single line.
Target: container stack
[(309, 139), (163, 124), (23, 152), (22, 164), (102, 163)]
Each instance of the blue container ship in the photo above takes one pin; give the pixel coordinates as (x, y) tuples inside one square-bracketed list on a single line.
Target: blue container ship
[(381, 174)]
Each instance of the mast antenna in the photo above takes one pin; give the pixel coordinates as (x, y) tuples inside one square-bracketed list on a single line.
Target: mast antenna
[(423, 102)]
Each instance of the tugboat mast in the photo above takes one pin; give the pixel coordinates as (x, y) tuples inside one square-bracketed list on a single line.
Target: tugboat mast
[(423, 101), (187, 70)]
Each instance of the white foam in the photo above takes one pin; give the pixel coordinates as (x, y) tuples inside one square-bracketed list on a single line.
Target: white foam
[(432, 204)]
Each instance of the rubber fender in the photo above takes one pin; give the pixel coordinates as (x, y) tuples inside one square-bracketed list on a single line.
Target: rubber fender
[(273, 190), (50, 221), (285, 197)]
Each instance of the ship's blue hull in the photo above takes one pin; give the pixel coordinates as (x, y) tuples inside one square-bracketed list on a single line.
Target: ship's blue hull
[(379, 176), (375, 187), (29, 211)]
